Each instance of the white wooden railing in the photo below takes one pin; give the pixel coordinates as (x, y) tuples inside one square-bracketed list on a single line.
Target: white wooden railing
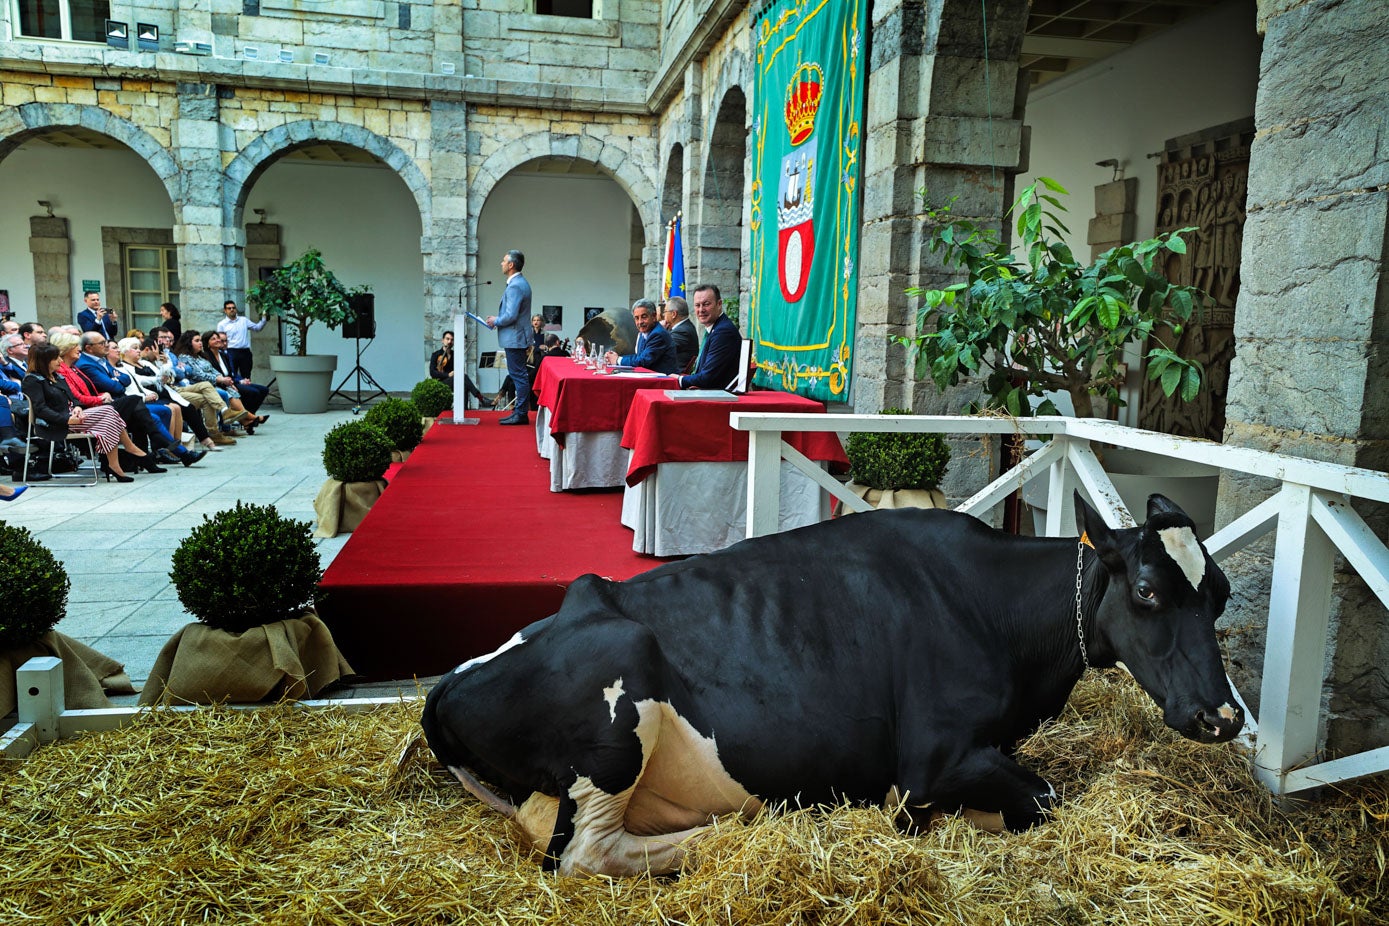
[(1310, 511)]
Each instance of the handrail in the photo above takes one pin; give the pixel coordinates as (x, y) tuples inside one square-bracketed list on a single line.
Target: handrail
[(1310, 512)]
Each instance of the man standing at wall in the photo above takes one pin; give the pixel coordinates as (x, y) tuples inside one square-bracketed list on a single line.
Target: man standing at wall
[(513, 332), (96, 317), (238, 330)]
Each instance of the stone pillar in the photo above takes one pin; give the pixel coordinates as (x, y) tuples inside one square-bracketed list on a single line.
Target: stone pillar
[(53, 297), (444, 245), (933, 122), (262, 250), (692, 118), (1115, 218), (1311, 370), (210, 247)]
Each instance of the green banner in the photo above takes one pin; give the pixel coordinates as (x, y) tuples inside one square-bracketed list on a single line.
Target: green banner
[(808, 99)]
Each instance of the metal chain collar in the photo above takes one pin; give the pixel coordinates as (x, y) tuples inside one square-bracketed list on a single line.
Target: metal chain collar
[(1080, 625)]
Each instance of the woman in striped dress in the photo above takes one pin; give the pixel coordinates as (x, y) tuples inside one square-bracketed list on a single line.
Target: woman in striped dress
[(55, 412)]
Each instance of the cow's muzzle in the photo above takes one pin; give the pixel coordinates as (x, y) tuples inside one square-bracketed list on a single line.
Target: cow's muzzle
[(1219, 725)]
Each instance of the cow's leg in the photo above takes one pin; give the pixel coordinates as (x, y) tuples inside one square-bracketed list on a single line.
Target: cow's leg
[(982, 780), (602, 845), (566, 818)]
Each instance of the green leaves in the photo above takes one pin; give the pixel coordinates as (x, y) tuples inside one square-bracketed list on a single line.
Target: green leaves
[(1046, 322), (302, 293)]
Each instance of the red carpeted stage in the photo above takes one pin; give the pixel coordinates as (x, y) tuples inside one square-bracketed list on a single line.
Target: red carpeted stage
[(466, 546)]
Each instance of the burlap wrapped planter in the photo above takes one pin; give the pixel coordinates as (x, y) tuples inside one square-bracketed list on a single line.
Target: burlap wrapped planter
[(400, 456), (341, 506), (895, 498), (293, 658), (87, 674)]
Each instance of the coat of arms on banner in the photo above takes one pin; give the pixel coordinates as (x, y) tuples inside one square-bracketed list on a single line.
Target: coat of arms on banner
[(796, 187)]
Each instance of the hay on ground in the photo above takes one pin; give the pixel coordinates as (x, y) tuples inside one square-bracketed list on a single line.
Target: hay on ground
[(288, 816)]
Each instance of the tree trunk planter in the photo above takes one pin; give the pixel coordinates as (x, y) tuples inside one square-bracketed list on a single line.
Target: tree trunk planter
[(895, 498), (286, 659), (342, 506), (87, 675), (306, 383)]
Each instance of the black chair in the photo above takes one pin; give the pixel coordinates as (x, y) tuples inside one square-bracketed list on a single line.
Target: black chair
[(78, 476)]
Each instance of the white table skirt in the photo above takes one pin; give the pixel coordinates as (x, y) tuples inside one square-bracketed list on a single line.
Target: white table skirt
[(544, 440), (687, 508), (588, 460)]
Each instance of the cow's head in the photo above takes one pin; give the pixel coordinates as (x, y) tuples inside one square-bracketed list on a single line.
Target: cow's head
[(1158, 618)]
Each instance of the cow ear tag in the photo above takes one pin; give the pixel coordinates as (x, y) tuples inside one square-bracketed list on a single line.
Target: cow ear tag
[(1085, 539)]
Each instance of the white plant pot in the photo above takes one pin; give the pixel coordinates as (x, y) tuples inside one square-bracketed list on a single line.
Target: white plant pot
[(305, 383)]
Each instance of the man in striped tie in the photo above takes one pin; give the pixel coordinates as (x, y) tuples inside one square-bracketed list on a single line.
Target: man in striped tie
[(655, 350)]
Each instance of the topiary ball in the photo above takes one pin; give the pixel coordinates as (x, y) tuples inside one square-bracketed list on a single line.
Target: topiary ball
[(357, 451), (246, 566), (34, 587), (431, 397), (400, 419), (895, 460)]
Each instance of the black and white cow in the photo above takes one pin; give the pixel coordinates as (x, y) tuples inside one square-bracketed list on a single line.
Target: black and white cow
[(894, 653)]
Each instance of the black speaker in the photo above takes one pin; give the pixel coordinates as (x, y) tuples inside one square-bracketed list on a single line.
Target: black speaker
[(363, 324)]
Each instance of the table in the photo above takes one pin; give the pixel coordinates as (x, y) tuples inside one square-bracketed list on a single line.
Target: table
[(579, 425), (687, 471)]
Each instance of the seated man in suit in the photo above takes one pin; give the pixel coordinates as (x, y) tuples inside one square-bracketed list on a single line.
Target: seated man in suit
[(717, 365), (654, 350), (682, 333)]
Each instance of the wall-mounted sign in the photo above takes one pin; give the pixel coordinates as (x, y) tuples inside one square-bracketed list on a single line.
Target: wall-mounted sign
[(91, 286)]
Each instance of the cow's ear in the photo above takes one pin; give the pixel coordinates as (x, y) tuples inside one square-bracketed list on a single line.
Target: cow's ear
[(1099, 534), (1161, 504)]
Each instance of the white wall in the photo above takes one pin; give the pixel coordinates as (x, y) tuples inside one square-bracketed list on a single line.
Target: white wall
[(575, 231), (88, 187), (1198, 74), (365, 221)]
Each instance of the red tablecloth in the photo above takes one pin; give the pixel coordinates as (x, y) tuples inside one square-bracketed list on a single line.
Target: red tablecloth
[(581, 400), (660, 429)]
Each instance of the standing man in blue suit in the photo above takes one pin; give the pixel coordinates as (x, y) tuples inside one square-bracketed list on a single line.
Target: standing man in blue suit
[(96, 317), (512, 324), (717, 365), (654, 351)]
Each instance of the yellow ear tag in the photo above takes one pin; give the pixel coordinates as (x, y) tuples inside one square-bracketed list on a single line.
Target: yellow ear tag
[(1085, 539)]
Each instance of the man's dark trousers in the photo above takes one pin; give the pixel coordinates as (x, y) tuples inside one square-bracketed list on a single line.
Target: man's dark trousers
[(241, 361)]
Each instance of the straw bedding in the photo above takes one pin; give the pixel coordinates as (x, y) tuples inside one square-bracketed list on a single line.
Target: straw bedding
[(286, 816)]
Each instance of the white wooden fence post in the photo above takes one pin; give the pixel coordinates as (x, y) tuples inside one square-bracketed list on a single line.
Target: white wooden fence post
[(764, 483), (40, 695), (1295, 651)]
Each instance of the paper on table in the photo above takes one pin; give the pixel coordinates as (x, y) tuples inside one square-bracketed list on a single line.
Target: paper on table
[(714, 395)]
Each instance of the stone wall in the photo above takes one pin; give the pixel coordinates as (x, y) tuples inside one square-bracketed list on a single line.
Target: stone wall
[(1311, 370)]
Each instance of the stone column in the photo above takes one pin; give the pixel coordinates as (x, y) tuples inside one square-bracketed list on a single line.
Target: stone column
[(1115, 219), (53, 297), (445, 243), (933, 122), (262, 250), (210, 247), (1311, 370)]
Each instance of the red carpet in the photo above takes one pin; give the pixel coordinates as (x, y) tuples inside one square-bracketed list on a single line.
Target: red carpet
[(466, 546)]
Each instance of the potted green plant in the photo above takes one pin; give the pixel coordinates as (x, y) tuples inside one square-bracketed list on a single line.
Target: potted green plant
[(432, 397), (356, 455), (401, 421), (303, 293), (249, 576), (35, 587), (897, 469), (1045, 322)]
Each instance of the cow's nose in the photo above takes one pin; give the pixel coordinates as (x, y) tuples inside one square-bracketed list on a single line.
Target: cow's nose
[(1219, 725)]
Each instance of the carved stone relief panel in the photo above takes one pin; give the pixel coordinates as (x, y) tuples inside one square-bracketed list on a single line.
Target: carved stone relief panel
[(1202, 185)]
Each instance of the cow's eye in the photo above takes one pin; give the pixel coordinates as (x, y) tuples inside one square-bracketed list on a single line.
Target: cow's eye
[(1145, 592)]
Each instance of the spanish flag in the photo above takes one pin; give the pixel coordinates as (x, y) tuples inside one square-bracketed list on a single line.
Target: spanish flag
[(673, 277)]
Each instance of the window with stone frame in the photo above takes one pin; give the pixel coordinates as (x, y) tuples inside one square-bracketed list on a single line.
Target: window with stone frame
[(151, 279), (69, 20), (579, 9)]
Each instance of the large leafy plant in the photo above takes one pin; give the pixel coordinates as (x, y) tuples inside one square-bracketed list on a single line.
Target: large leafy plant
[(1048, 322), (303, 292)]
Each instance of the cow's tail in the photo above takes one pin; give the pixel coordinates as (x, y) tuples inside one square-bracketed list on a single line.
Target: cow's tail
[(480, 791)]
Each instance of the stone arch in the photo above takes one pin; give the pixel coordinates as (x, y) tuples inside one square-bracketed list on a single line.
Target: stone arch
[(615, 161), (22, 123), (721, 227), (673, 187), (242, 173)]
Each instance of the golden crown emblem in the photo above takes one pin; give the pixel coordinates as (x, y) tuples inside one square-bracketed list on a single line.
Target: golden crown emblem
[(803, 100)]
